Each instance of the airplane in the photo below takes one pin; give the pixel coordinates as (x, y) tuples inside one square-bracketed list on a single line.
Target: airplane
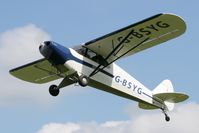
[(92, 63)]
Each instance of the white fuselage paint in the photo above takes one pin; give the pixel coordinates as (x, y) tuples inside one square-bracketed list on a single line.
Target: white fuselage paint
[(122, 81)]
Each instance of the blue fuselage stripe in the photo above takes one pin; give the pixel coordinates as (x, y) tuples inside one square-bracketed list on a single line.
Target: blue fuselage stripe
[(65, 54), (93, 67)]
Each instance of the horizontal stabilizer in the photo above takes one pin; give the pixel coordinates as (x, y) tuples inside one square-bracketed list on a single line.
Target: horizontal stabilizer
[(172, 97), (167, 98), (146, 106)]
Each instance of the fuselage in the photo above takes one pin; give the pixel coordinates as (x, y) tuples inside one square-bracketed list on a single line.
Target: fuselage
[(112, 79)]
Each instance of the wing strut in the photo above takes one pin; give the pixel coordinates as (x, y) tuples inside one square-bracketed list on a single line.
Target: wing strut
[(97, 69), (128, 51)]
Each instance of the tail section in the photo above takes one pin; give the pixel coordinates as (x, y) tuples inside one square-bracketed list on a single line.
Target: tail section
[(165, 87), (164, 98), (165, 92)]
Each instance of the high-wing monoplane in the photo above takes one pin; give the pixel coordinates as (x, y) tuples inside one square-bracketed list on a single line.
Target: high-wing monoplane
[(93, 63)]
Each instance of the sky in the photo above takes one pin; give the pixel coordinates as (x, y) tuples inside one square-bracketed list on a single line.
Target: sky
[(27, 107)]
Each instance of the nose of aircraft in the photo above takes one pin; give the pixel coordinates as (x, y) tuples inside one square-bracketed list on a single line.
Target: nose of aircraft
[(54, 52), (45, 50)]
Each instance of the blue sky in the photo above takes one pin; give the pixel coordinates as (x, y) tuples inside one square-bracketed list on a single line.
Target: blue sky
[(26, 107)]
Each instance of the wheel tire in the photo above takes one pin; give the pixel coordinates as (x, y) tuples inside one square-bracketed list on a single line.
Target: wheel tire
[(53, 90), (167, 118), (83, 80)]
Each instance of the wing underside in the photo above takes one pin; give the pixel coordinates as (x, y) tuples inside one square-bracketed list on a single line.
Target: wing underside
[(137, 37), (40, 71)]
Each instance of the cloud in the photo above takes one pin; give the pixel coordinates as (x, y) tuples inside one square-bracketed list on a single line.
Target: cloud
[(59, 128), (19, 46), (184, 119)]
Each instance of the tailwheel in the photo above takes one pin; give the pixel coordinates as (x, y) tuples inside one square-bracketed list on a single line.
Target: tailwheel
[(83, 80), (53, 90), (167, 118)]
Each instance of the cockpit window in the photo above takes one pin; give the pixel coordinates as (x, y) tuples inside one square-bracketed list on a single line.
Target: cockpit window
[(84, 51), (91, 55)]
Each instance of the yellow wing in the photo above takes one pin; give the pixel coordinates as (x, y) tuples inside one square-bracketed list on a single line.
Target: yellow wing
[(137, 37), (40, 71)]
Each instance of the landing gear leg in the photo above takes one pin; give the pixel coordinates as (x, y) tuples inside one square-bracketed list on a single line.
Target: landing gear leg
[(54, 90), (167, 118), (82, 80)]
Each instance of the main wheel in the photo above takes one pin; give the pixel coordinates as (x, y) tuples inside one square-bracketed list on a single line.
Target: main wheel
[(53, 90), (83, 80), (167, 118)]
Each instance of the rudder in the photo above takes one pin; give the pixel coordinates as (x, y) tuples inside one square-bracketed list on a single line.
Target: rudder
[(165, 87)]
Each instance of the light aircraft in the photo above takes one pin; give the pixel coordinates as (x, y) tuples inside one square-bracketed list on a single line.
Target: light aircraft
[(92, 63)]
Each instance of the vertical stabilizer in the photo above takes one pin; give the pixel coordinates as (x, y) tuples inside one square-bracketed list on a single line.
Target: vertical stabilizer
[(163, 87)]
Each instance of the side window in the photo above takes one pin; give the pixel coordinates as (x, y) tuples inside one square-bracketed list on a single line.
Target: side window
[(91, 55), (99, 59)]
